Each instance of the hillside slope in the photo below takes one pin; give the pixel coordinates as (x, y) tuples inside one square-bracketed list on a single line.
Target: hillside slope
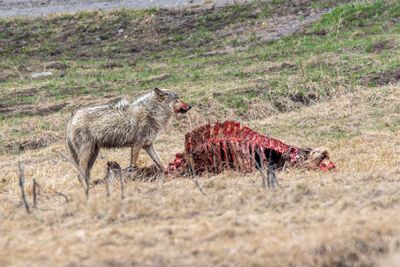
[(312, 73)]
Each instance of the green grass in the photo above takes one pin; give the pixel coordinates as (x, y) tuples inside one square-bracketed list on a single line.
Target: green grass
[(375, 14)]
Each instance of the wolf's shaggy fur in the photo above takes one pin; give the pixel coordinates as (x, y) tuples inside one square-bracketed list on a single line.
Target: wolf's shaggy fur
[(136, 125)]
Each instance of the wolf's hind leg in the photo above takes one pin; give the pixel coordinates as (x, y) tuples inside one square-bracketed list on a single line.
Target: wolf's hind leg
[(93, 157), (87, 157), (72, 150), (151, 150)]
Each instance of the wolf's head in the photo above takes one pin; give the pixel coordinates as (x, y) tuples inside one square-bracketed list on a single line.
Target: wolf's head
[(173, 101)]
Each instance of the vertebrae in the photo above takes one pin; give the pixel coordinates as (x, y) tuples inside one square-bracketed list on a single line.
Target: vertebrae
[(230, 146)]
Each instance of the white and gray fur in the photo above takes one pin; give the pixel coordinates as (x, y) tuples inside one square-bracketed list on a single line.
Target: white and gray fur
[(136, 125)]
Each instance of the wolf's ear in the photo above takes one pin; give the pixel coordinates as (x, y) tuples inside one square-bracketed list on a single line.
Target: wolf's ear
[(160, 92)]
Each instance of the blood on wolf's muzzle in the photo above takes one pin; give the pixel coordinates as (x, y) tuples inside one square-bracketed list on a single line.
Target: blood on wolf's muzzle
[(185, 108)]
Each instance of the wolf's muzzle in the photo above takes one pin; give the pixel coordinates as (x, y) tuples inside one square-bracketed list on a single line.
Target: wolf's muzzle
[(185, 109)]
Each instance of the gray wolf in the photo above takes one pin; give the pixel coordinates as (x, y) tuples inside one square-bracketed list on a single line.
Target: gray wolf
[(136, 125)]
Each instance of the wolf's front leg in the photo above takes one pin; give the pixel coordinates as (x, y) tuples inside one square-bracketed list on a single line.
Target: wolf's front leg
[(151, 150)]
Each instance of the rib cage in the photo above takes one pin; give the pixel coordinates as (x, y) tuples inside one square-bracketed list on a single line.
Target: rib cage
[(230, 146)]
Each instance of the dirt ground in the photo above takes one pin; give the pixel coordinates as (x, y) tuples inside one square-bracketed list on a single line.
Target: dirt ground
[(33, 8)]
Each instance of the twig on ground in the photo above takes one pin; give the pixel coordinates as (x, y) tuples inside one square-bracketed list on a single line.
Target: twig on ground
[(260, 167), (106, 182), (194, 179), (266, 180), (85, 181), (196, 182), (272, 175), (34, 192), (22, 185), (271, 181), (112, 168), (62, 195), (17, 71), (122, 181)]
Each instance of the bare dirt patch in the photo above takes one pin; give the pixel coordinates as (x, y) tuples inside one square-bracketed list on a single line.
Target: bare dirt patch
[(32, 110), (57, 65), (305, 99), (284, 65), (385, 45), (9, 8), (22, 93), (382, 78), (124, 36), (6, 75), (29, 144), (10, 101)]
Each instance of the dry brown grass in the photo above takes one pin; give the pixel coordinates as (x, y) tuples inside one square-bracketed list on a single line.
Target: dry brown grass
[(349, 217)]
